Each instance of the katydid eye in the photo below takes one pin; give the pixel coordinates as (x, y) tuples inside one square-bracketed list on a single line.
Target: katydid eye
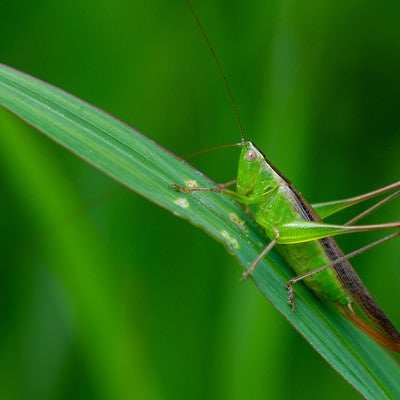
[(251, 155)]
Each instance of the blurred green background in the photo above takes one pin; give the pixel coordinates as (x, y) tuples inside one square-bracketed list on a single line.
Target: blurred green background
[(104, 295)]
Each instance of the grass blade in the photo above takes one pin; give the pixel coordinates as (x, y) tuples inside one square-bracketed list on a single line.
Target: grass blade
[(143, 166)]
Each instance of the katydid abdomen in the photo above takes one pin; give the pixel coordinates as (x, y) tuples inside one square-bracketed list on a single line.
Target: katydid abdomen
[(306, 257)]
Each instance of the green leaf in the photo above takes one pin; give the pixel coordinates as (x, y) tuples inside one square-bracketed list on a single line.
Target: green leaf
[(143, 166)]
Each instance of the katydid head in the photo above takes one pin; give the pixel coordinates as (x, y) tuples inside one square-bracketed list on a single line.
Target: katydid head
[(255, 176)]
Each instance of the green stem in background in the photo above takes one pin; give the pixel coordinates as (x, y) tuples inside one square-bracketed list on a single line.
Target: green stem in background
[(143, 166)]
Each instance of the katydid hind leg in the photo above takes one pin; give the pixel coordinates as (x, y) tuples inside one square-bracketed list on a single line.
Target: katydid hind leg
[(328, 208), (307, 231), (373, 208)]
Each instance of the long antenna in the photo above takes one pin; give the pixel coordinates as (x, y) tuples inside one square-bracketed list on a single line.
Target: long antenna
[(222, 146), (221, 71)]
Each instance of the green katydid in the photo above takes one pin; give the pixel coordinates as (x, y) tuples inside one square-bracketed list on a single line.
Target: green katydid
[(295, 228)]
